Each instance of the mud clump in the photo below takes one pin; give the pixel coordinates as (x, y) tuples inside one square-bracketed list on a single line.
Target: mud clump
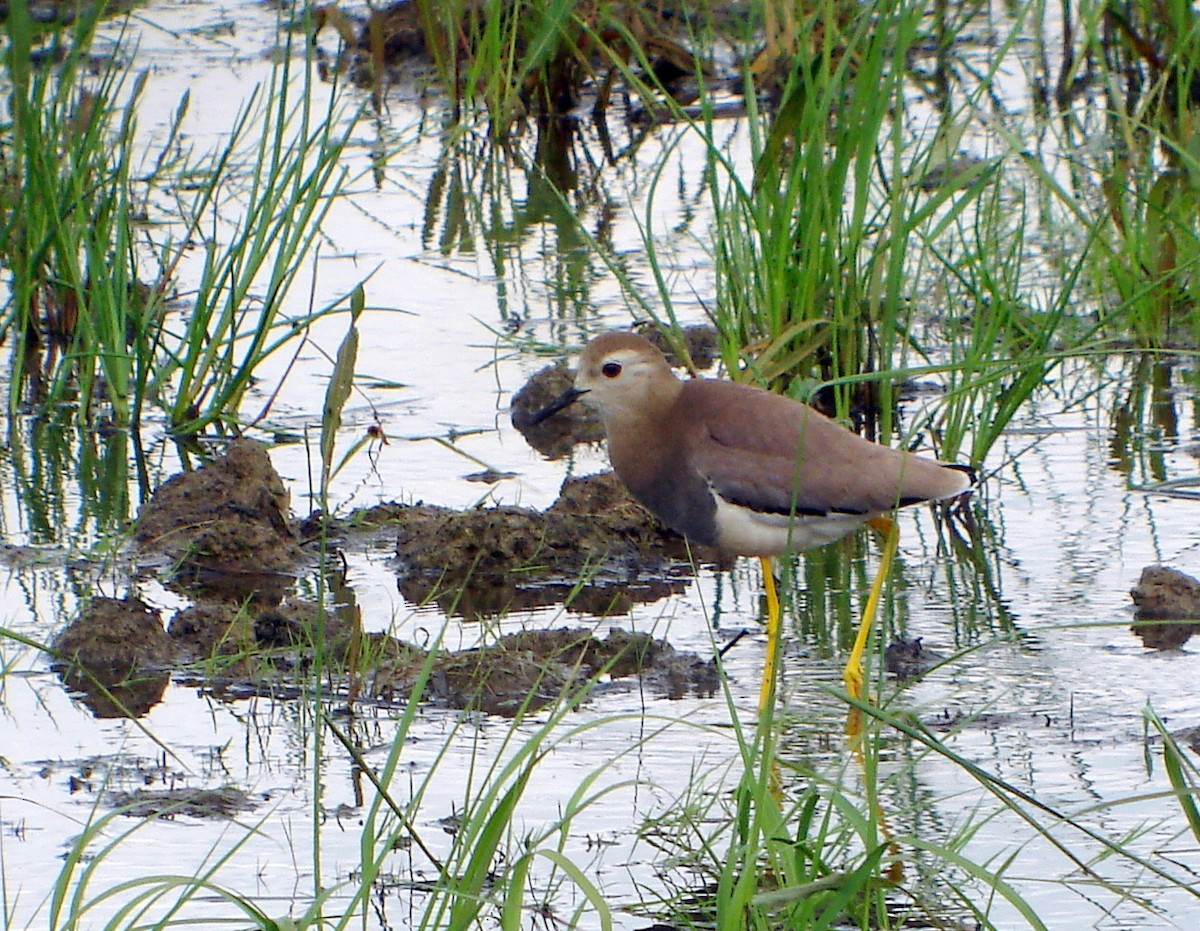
[(525, 671), (702, 342), (214, 630), (224, 642), (115, 638), (220, 804), (1163, 596), (528, 670), (555, 436), (594, 547), (227, 520), (520, 672), (296, 624), (908, 657), (1189, 737), (226, 529), (115, 654), (392, 666)]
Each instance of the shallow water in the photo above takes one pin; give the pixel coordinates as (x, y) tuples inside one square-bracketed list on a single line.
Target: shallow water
[(1051, 660)]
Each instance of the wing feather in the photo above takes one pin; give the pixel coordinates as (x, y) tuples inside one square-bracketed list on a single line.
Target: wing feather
[(776, 455)]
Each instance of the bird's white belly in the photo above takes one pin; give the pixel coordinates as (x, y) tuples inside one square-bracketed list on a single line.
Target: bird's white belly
[(753, 533)]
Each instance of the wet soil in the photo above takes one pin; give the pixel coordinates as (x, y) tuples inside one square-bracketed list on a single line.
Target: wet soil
[(1189, 737), (701, 342), (1166, 607), (954, 720), (210, 630), (140, 787), (116, 638), (555, 436), (220, 804), (531, 669), (595, 550), (118, 659), (116, 656), (226, 525), (908, 657), (232, 548)]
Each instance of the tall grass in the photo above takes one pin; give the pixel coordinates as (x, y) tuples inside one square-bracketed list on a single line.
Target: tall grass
[(92, 317), (513, 61), (114, 318), (851, 252), (241, 312), (67, 229), (813, 245)]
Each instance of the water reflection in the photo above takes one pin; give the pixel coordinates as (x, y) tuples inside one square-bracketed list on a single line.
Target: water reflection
[(1145, 420)]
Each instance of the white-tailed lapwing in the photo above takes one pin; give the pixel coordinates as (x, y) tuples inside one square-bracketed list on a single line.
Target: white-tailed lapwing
[(749, 472)]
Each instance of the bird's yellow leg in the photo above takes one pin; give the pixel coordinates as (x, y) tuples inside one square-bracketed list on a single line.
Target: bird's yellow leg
[(853, 674), (767, 691), (854, 680)]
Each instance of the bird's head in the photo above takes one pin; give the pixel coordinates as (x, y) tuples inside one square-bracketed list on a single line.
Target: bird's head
[(622, 376)]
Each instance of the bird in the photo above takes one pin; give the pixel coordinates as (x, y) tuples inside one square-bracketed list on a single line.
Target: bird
[(749, 472)]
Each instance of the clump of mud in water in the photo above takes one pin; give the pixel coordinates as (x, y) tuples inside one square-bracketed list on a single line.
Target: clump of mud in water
[(221, 804), (908, 657), (555, 436), (530, 669), (1163, 595), (116, 655), (224, 642), (1189, 737), (701, 340), (297, 624), (226, 529), (226, 523), (229, 520), (122, 644), (594, 547), (211, 630)]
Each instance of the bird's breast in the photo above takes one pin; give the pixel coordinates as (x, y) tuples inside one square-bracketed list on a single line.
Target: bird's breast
[(669, 487)]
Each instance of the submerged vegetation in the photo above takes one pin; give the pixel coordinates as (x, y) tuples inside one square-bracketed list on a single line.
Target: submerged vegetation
[(874, 206)]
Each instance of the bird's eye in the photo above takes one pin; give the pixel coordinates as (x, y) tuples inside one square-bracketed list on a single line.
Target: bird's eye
[(611, 369)]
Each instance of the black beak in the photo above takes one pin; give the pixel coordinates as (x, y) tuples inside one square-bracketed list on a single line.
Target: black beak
[(566, 399)]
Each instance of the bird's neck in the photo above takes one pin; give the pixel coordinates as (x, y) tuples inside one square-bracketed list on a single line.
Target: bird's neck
[(648, 413)]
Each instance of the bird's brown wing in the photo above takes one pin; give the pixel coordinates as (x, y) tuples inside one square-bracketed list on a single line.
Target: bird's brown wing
[(777, 455)]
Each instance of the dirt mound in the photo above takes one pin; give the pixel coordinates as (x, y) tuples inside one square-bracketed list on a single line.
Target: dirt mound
[(1167, 607), (595, 548), (116, 655), (116, 638), (229, 518), (530, 669), (555, 436), (226, 528)]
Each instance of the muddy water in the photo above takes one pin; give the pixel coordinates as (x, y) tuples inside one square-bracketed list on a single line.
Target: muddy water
[(1050, 666)]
